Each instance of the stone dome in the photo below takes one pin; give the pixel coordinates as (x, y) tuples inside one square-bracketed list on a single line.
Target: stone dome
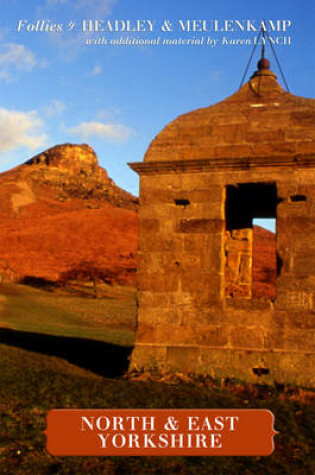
[(260, 120)]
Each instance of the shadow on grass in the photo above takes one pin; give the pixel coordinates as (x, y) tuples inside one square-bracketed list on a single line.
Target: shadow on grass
[(39, 283), (105, 359)]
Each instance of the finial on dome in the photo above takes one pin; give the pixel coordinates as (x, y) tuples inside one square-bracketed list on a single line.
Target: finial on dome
[(263, 68), (263, 63)]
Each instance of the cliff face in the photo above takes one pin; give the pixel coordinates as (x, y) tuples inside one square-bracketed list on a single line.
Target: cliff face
[(69, 158), (62, 216)]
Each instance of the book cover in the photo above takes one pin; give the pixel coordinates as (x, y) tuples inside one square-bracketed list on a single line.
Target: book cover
[(156, 244)]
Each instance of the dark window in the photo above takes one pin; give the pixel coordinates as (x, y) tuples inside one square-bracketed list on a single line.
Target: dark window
[(297, 198), (182, 202)]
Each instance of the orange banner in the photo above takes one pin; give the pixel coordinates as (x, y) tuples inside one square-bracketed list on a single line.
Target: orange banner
[(160, 432)]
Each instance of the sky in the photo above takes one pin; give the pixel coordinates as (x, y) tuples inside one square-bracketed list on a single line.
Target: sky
[(55, 88)]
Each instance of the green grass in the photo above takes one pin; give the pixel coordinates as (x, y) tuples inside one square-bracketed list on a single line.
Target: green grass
[(110, 319), (32, 383)]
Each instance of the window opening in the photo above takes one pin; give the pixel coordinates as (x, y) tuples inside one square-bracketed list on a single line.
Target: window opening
[(250, 250)]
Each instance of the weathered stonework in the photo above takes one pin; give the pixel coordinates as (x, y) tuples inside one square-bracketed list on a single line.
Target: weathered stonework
[(204, 178)]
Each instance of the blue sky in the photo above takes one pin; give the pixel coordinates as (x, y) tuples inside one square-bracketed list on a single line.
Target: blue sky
[(57, 89)]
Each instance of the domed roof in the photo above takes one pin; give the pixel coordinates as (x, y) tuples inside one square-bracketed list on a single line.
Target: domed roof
[(259, 120)]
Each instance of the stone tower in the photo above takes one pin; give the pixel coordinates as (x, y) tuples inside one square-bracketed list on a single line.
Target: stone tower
[(204, 178)]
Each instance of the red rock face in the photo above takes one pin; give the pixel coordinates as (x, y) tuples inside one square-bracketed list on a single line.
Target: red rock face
[(62, 217)]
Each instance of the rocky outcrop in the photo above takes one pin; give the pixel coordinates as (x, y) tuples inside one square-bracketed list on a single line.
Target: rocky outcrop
[(74, 172), (70, 158), (59, 213)]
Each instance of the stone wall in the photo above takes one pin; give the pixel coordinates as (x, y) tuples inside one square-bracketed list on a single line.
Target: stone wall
[(185, 320)]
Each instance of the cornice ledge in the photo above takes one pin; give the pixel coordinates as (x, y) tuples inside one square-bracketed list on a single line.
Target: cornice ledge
[(223, 164)]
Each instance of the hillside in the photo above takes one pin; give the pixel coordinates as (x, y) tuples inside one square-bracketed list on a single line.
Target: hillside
[(264, 263), (62, 217)]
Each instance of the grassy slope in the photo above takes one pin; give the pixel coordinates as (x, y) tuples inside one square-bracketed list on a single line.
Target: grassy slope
[(32, 383), (109, 319)]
